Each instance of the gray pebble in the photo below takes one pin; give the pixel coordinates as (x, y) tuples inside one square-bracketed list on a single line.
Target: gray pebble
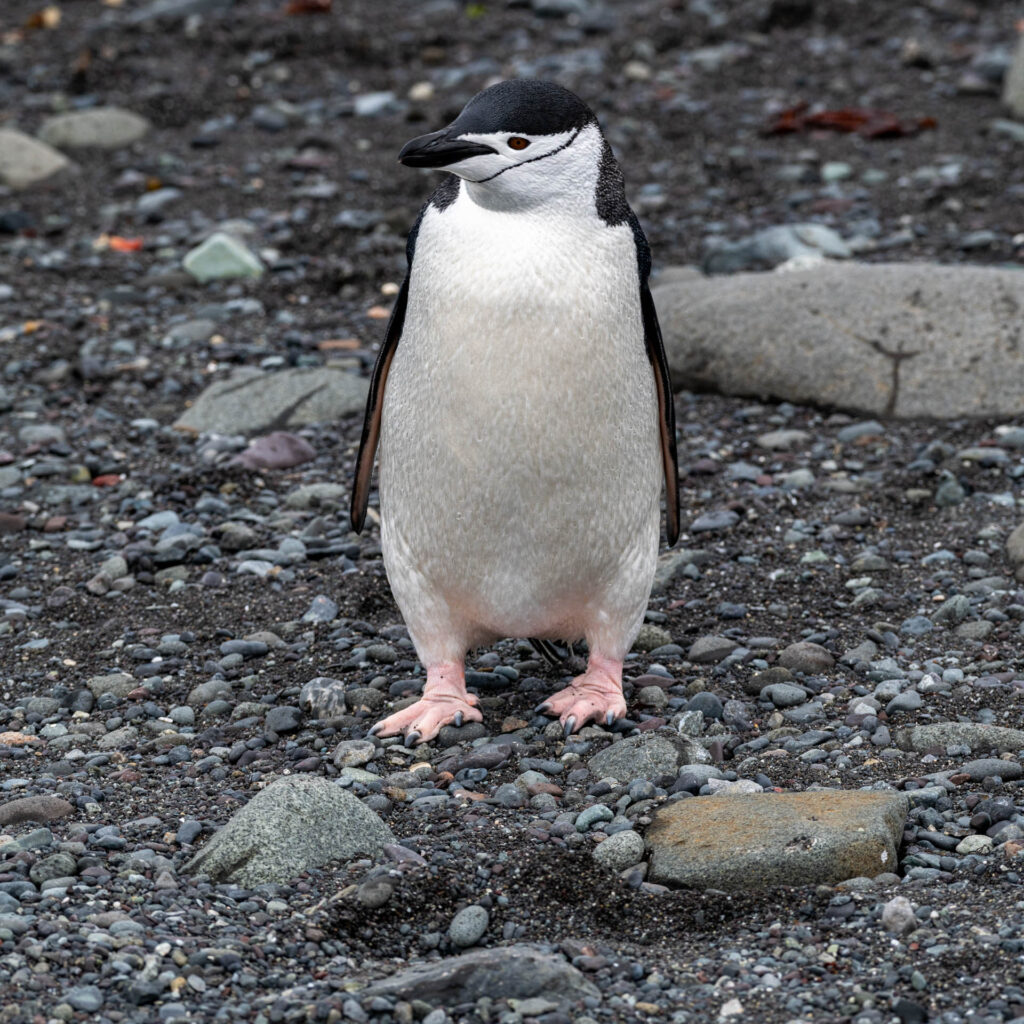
[(620, 851), (468, 926)]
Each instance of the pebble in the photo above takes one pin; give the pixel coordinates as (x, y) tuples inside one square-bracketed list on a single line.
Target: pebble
[(898, 916), (806, 657), (467, 927), (86, 998), (221, 256), (620, 851)]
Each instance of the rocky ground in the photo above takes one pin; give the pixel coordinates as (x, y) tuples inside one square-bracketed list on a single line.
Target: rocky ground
[(842, 612)]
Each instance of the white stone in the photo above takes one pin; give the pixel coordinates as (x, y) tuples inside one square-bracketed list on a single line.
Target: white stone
[(24, 161), (898, 915), (222, 256), (97, 128), (975, 844)]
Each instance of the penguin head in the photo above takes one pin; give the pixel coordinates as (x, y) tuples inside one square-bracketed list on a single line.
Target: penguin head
[(519, 142)]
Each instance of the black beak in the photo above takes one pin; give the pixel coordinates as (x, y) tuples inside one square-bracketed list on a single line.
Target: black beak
[(439, 149)]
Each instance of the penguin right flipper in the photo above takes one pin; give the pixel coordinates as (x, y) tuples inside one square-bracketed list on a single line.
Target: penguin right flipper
[(374, 408), (444, 195)]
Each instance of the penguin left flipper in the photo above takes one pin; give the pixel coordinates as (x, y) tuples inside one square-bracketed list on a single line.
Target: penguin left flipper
[(662, 382), (374, 408), (666, 410)]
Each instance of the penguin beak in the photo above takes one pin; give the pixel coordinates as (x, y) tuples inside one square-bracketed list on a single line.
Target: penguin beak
[(439, 149)]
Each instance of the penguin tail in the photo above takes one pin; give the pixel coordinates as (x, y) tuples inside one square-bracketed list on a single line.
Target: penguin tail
[(554, 655)]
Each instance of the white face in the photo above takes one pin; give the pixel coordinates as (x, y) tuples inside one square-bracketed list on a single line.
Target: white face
[(512, 150), (532, 170)]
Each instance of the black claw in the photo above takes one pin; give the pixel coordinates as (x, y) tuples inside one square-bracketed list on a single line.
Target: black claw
[(373, 729), (411, 738), (570, 724), (610, 718), (542, 708), (458, 719)]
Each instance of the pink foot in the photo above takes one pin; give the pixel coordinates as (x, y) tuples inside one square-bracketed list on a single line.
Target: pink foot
[(444, 701), (594, 696)]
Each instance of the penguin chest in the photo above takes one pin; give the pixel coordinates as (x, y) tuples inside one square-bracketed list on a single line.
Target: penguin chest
[(522, 338), (519, 444)]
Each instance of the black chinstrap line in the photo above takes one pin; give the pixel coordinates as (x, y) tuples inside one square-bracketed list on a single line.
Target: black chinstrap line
[(533, 160)]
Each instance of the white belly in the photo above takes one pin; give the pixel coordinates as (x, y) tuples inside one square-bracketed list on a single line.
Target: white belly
[(520, 470)]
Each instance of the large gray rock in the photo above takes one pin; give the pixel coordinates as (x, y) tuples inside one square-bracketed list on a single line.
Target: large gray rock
[(1015, 551), (253, 402), (24, 161), (508, 972), (759, 840), (96, 128), (1013, 84), (908, 339), (646, 756), (975, 735), (295, 824)]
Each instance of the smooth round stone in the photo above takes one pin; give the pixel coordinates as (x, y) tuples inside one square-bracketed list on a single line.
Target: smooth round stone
[(57, 865), (468, 926), (909, 700), (784, 695), (975, 844), (806, 657), (188, 831), (917, 625), (354, 753), (652, 697), (87, 998), (707, 703), (700, 773), (620, 851), (375, 892), (592, 815), (987, 767), (283, 719)]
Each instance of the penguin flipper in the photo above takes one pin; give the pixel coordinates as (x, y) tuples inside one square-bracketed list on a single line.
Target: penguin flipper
[(666, 410), (374, 408)]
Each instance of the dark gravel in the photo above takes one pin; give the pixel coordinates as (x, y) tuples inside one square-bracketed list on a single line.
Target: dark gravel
[(164, 604)]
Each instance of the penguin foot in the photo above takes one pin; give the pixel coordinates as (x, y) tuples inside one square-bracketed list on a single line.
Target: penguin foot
[(594, 696), (444, 702)]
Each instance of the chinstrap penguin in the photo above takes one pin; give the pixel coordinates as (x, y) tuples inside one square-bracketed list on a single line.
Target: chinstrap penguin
[(522, 405)]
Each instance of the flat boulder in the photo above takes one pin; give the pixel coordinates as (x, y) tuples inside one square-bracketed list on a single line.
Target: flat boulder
[(899, 339), (507, 972), (760, 840), (976, 736), (253, 401), (296, 823)]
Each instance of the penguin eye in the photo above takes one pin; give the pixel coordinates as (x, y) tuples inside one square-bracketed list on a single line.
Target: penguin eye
[(518, 142)]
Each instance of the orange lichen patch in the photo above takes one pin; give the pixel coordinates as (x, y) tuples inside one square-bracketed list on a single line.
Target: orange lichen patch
[(17, 739)]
